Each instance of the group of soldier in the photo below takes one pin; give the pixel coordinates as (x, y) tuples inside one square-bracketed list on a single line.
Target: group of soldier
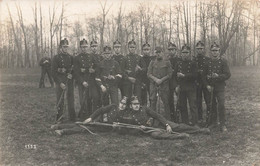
[(104, 79)]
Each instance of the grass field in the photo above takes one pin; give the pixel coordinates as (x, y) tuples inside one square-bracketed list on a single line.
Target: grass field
[(27, 113)]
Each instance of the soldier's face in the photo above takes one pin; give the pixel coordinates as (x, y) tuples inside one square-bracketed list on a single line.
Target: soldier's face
[(107, 55), (172, 51), (131, 48), (215, 53), (84, 49), (65, 49), (94, 48), (135, 105), (117, 49), (122, 106), (146, 50), (159, 55), (185, 55), (200, 51)]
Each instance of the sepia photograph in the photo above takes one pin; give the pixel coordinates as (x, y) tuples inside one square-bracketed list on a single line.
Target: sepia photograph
[(130, 82)]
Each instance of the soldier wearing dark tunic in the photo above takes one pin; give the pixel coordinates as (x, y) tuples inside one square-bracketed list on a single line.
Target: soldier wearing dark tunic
[(147, 58), (62, 65), (186, 73), (132, 70), (202, 62), (119, 57), (45, 64), (215, 75), (83, 64), (173, 58)]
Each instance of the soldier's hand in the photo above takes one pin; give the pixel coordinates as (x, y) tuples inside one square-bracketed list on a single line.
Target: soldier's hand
[(159, 81), (85, 84), (209, 76), (179, 74), (137, 68), (168, 128), (69, 76), (110, 77), (177, 89), (209, 88), (200, 71), (142, 127), (87, 121), (215, 75), (103, 88), (91, 70), (63, 86), (132, 79)]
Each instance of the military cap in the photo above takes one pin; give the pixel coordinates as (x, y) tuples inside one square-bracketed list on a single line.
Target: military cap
[(117, 43), (200, 45), (124, 100), (107, 49), (158, 49), (214, 46), (146, 45), (83, 43), (171, 46), (132, 42), (185, 48), (93, 43), (134, 98), (64, 42)]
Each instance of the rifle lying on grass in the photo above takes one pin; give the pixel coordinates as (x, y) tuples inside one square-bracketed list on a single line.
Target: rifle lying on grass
[(144, 129)]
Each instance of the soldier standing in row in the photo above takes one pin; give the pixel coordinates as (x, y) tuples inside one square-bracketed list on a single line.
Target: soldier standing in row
[(186, 73), (83, 63), (94, 90), (132, 70), (159, 72), (62, 66), (173, 58), (201, 61), (145, 80), (109, 74), (215, 75), (118, 56), (45, 64)]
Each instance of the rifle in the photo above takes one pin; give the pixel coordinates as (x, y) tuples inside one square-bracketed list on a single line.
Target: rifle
[(208, 119), (61, 99), (144, 129), (177, 109)]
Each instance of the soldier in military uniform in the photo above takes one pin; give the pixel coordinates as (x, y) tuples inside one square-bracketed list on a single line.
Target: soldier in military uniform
[(159, 72), (186, 73), (109, 74), (135, 115), (94, 90), (132, 70), (62, 65), (83, 63), (45, 64), (145, 80), (118, 56), (215, 75), (201, 61), (173, 58)]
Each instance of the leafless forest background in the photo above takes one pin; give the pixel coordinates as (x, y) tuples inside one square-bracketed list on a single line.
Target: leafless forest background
[(235, 25)]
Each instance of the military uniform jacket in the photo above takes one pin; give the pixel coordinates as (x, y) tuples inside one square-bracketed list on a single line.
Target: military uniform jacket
[(160, 69), (82, 63), (189, 69), (109, 67), (61, 66), (129, 64), (45, 62), (96, 60), (220, 67), (202, 62), (173, 80), (147, 60), (120, 59), (141, 117)]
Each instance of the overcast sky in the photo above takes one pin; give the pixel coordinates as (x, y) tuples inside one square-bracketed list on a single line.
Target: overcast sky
[(75, 8)]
